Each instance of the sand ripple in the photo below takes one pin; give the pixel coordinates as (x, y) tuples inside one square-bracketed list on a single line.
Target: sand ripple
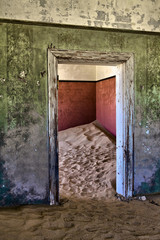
[(87, 163), (86, 171)]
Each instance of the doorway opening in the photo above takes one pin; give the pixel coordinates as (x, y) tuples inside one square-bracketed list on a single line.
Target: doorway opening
[(87, 130), (124, 115)]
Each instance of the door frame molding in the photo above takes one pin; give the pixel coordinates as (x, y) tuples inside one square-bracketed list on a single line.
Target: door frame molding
[(124, 114)]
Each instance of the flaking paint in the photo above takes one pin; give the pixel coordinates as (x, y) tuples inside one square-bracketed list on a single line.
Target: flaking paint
[(23, 105), (118, 14)]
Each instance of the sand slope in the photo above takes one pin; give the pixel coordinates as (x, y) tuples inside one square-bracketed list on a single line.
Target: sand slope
[(87, 163), (87, 173)]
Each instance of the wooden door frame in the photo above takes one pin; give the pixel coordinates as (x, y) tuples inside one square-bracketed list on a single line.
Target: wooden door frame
[(124, 114)]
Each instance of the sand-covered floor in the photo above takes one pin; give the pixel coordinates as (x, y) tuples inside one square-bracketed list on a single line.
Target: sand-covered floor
[(89, 209), (87, 163), (82, 220)]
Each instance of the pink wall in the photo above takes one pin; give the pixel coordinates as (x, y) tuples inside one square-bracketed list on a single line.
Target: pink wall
[(76, 104), (106, 104)]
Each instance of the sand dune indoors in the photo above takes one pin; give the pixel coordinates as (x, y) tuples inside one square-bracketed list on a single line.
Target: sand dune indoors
[(87, 159), (88, 210)]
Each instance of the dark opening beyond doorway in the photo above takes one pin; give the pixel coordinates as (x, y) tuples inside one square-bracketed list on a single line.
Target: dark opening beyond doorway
[(87, 150)]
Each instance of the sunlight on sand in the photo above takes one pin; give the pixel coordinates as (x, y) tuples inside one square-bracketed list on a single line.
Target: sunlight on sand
[(87, 163)]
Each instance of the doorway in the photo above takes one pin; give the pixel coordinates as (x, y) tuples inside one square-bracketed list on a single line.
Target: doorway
[(87, 131), (124, 114)]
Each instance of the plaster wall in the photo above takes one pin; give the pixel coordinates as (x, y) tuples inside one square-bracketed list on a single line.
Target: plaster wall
[(85, 72), (105, 72), (133, 15), (79, 102), (76, 104), (23, 103), (77, 72), (106, 104)]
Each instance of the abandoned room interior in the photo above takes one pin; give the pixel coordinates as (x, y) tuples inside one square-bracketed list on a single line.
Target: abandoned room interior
[(87, 157), (79, 120)]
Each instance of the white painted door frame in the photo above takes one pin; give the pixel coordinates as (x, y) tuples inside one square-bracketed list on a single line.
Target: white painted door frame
[(125, 128), (124, 113)]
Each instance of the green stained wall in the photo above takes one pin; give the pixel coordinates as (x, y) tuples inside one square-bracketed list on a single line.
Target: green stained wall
[(23, 119), (23, 103)]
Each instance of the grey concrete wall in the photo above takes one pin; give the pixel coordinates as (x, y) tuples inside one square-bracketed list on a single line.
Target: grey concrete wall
[(134, 15)]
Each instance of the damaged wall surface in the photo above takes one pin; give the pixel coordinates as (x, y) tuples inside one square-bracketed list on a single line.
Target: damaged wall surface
[(24, 177), (134, 15), (23, 104)]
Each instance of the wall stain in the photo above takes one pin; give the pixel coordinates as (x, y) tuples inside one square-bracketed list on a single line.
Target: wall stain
[(155, 23), (153, 184), (70, 12), (23, 107), (42, 3), (122, 18), (22, 112), (101, 15), (141, 20)]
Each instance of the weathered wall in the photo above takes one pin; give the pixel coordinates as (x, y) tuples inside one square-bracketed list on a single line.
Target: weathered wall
[(135, 15), (23, 136), (23, 102), (76, 104), (106, 104)]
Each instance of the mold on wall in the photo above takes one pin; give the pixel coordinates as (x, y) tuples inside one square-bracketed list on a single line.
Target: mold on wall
[(148, 115), (23, 103), (24, 154), (134, 15)]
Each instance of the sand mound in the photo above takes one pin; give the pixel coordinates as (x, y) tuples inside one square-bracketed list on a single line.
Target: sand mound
[(87, 170), (87, 163)]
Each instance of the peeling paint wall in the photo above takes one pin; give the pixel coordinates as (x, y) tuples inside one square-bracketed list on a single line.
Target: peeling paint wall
[(23, 123), (23, 104), (135, 15)]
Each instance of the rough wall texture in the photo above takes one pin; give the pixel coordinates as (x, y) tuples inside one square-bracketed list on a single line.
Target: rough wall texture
[(106, 104), (23, 78), (23, 136), (135, 15), (76, 104)]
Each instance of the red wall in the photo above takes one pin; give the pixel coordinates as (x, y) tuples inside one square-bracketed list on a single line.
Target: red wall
[(76, 104), (106, 104)]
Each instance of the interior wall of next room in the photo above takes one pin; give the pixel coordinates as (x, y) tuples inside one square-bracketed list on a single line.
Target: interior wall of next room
[(83, 102), (106, 104), (81, 72), (76, 103)]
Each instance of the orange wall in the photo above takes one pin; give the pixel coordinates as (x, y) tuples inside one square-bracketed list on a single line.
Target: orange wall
[(76, 103), (106, 104), (83, 102)]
